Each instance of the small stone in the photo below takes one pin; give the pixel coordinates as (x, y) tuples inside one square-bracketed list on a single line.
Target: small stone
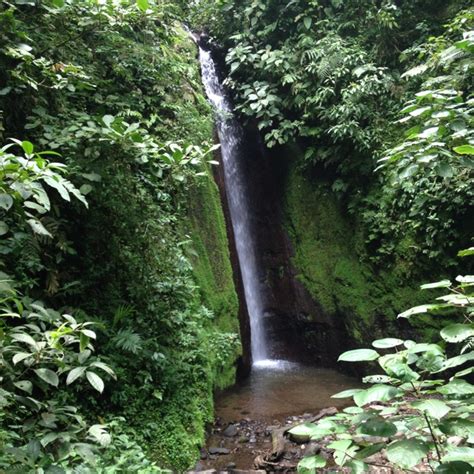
[(231, 465), (244, 439), (253, 439), (231, 431), (203, 454), (219, 451)]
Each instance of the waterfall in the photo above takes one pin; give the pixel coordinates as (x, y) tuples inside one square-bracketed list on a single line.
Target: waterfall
[(230, 135)]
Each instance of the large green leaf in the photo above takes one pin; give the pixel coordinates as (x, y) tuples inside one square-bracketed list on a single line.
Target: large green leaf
[(359, 355), (48, 376), (457, 332), (143, 5), (457, 387), (377, 426), (377, 393), (434, 408), (347, 393), (458, 453), (455, 467), (457, 427), (344, 451), (424, 308), (387, 343), (457, 361), (466, 252), (6, 201), (95, 381), (309, 464), (464, 150), (407, 453), (438, 284), (74, 374), (302, 433)]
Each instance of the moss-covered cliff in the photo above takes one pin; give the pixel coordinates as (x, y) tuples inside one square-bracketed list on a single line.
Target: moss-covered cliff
[(328, 249)]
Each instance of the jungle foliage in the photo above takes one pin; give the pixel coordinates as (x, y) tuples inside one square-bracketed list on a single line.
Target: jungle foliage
[(109, 350), (330, 76), (419, 409)]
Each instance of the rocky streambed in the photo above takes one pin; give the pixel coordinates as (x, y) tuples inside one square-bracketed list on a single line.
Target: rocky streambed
[(252, 418)]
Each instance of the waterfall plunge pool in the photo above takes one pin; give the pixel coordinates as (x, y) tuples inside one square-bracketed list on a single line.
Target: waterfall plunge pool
[(276, 393)]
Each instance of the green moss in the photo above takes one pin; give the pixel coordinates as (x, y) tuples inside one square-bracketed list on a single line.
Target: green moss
[(210, 254), (178, 424), (212, 269), (180, 427), (326, 242)]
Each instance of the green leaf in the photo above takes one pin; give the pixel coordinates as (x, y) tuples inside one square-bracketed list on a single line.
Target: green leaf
[(24, 385), (83, 342), (466, 252), (26, 338), (6, 201), (74, 374), (457, 427), (457, 361), (95, 381), (444, 170), (359, 355), (3, 228), (377, 426), (387, 343), (347, 393), (108, 120), (58, 3), (457, 387), (455, 467), (143, 5), (28, 147), (377, 393), (38, 227), (435, 408), (464, 454), (464, 150), (457, 332), (344, 451), (438, 284), (19, 356), (370, 450), (407, 453), (308, 21), (103, 367), (309, 464), (89, 333), (48, 376), (424, 308)]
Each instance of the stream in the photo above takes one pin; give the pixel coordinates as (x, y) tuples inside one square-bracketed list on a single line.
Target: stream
[(274, 395)]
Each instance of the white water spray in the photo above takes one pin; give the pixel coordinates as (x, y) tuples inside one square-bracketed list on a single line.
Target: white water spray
[(230, 136)]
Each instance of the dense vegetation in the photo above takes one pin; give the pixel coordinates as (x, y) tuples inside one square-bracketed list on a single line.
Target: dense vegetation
[(118, 308), (119, 228), (367, 103)]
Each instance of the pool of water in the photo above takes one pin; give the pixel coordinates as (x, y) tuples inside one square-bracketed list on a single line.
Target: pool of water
[(276, 389), (277, 393)]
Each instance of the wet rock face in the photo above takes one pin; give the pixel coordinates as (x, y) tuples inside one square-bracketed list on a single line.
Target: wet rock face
[(296, 326)]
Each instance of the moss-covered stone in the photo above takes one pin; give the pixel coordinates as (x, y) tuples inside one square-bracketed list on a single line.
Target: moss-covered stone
[(326, 241)]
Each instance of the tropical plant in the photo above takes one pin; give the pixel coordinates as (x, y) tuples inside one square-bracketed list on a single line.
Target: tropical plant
[(419, 409), (42, 351)]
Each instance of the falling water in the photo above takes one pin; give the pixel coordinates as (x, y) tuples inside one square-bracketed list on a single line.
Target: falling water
[(230, 136)]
